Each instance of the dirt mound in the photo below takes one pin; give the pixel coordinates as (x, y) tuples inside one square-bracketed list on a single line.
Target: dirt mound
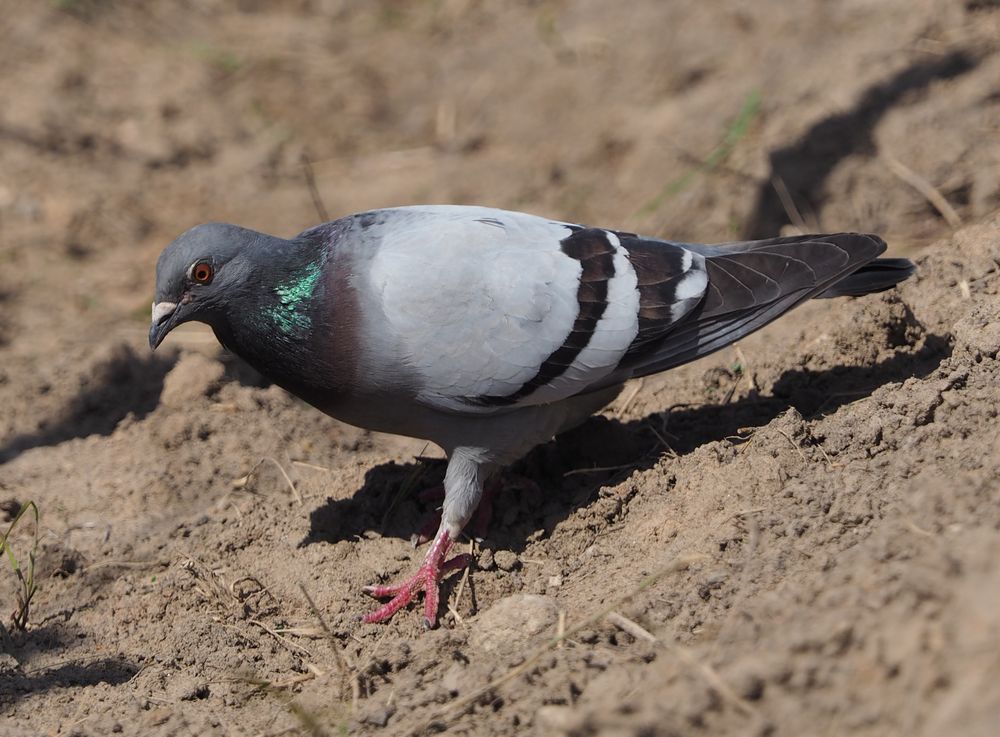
[(795, 535)]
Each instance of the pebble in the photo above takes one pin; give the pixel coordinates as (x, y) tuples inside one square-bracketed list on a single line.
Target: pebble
[(507, 626), (557, 718), (378, 716), (8, 664), (506, 560), (486, 561), (979, 332)]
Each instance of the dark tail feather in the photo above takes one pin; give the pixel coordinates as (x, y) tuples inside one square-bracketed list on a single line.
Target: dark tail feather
[(879, 275), (754, 282)]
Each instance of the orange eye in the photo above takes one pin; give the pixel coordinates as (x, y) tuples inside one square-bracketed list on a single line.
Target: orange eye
[(202, 272)]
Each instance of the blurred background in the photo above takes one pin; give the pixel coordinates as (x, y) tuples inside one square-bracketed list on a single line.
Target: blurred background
[(123, 124)]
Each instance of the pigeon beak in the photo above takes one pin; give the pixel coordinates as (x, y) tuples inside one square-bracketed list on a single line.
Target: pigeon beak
[(164, 319)]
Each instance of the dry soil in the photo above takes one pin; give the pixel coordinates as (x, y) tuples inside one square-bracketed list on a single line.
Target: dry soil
[(797, 536)]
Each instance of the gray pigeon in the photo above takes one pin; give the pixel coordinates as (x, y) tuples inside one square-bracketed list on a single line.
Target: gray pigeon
[(482, 330)]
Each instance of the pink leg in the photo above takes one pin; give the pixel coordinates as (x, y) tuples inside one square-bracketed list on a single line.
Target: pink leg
[(479, 525), (427, 578)]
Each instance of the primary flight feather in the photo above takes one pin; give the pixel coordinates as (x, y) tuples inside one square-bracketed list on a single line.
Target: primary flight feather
[(482, 330)]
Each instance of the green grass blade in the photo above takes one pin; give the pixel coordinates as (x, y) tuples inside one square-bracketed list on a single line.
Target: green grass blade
[(737, 130)]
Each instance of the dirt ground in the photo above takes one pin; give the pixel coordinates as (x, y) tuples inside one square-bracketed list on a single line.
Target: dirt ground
[(797, 536)]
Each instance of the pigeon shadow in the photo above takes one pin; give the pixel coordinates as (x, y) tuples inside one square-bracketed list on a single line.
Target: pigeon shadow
[(84, 672), (571, 469), (803, 167), (124, 384)]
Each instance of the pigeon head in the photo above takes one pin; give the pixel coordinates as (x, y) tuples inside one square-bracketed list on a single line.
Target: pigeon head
[(200, 272)]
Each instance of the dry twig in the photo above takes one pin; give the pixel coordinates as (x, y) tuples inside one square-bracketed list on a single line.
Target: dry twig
[(242, 482), (928, 190), (633, 628), (313, 189), (636, 388), (346, 672)]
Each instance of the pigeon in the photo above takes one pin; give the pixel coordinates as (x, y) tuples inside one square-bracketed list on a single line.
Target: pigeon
[(482, 330)]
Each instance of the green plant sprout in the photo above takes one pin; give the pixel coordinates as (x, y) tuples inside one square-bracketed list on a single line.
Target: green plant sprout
[(25, 578), (736, 132)]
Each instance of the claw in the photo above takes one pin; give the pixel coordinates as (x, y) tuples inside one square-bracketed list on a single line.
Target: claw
[(426, 579)]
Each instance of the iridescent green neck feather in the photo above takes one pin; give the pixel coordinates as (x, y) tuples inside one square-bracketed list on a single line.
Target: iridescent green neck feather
[(290, 314)]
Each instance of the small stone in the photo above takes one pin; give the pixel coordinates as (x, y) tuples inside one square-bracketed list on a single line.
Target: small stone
[(506, 560), (599, 659), (979, 333), (454, 678), (554, 718), (8, 664), (378, 716), (507, 626), (9, 509), (486, 561)]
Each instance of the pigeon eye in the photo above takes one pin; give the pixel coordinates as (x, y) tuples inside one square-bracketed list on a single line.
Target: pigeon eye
[(202, 272)]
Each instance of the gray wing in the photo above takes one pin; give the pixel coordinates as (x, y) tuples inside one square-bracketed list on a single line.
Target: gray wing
[(492, 310)]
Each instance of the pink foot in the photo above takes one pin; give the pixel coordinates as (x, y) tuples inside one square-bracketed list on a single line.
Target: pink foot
[(427, 579)]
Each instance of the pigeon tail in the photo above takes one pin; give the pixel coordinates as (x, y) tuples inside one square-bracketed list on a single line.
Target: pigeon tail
[(877, 276), (752, 283)]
